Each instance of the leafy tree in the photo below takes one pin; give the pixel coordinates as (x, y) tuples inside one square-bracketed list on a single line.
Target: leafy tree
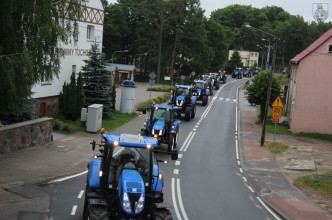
[(256, 91), (234, 62), (97, 82), (71, 99), (30, 32)]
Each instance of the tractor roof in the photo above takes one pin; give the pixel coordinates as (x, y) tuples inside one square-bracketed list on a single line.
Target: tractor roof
[(164, 106), (130, 140), (199, 81), (184, 86)]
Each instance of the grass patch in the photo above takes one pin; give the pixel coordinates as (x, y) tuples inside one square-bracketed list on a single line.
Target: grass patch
[(279, 129), (118, 119), (276, 147), (324, 137), (161, 88), (317, 185)]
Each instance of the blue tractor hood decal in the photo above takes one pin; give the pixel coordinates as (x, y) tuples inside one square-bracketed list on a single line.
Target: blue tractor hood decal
[(199, 90), (159, 125), (180, 98), (131, 183)]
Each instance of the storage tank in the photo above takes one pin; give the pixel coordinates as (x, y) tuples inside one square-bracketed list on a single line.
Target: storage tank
[(128, 89)]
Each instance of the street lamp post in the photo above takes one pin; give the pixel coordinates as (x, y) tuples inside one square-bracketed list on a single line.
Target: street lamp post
[(118, 51), (268, 53), (268, 95)]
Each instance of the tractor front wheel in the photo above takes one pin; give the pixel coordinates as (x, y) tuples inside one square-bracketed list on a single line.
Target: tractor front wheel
[(97, 213), (205, 100), (161, 214), (187, 113), (171, 142), (193, 113)]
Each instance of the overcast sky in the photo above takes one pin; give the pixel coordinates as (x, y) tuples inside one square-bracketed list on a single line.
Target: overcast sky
[(303, 8)]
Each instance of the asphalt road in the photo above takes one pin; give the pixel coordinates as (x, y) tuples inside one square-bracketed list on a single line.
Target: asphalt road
[(206, 182)]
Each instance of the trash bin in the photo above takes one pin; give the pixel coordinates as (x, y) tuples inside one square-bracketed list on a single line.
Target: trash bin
[(128, 88), (95, 117)]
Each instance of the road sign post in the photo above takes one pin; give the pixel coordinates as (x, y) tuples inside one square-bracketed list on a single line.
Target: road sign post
[(152, 76)]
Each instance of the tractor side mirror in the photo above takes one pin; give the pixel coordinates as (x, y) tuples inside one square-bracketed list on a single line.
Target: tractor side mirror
[(93, 143), (174, 154)]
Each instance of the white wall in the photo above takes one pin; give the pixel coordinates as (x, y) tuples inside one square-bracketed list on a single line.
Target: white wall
[(74, 54)]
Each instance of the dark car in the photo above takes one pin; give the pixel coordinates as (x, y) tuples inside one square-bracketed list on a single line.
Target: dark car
[(128, 83)]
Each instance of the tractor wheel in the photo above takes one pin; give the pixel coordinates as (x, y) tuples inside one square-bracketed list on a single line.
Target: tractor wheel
[(176, 140), (161, 214), (171, 142), (97, 213), (143, 133), (187, 113), (193, 113), (205, 100)]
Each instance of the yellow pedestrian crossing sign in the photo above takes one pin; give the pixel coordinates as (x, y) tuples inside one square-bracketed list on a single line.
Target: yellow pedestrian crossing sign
[(277, 107), (277, 103)]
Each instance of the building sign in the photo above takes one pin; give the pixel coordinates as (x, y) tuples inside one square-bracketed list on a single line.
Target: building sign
[(74, 52)]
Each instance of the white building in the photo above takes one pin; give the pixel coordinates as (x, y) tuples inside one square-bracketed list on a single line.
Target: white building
[(248, 58), (90, 28)]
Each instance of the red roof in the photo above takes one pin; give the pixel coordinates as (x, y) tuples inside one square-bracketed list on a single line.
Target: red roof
[(312, 47)]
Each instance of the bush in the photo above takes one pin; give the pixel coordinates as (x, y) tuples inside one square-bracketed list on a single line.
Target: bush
[(157, 100)]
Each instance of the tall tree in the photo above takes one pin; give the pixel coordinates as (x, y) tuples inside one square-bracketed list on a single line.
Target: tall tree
[(97, 83), (30, 32)]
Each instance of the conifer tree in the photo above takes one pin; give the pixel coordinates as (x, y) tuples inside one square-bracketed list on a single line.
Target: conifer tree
[(97, 82)]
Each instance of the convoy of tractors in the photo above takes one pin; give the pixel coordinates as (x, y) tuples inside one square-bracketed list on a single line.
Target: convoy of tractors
[(125, 181)]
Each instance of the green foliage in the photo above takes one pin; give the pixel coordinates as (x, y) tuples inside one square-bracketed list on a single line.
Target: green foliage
[(157, 100), (256, 91), (234, 62), (316, 183), (29, 41), (97, 82), (276, 147), (71, 99)]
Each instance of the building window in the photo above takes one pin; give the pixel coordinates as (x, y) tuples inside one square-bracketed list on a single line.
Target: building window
[(330, 48), (90, 35), (45, 81)]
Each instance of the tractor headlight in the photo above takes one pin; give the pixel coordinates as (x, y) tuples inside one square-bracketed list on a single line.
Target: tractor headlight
[(160, 132), (139, 204), (126, 203), (152, 131)]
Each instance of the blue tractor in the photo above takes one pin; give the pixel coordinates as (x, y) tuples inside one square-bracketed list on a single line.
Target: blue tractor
[(163, 124), (201, 91), (125, 181), (182, 97)]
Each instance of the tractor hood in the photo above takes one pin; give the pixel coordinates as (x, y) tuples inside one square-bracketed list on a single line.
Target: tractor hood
[(180, 100), (159, 125), (131, 192)]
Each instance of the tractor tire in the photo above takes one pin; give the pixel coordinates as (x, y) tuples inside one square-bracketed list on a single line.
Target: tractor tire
[(161, 214), (171, 142), (143, 133), (205, 100), (193, 113), (176, 140), (187, 113), (97, 213)]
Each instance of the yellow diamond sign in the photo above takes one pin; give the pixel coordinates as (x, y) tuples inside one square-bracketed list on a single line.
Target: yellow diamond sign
[(277, 103)]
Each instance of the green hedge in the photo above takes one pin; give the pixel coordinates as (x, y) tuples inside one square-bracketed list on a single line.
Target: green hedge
[(157, 100)]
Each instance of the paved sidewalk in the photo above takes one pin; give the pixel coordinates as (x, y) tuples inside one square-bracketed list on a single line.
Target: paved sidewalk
[(264, 174)]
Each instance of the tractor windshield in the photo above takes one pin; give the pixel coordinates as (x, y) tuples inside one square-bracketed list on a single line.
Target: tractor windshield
[(199, 85), (181, 91), (161, 114), (129, 158)]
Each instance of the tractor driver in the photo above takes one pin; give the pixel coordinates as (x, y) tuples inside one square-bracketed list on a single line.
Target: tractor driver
[(126, 160)]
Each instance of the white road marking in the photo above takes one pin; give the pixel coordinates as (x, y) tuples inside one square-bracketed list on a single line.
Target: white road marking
[(73, 210), (176, 171), (177, 163), (180, 201), (68, 177), (241, 171), (180, 156), (268, 209), (251, 189), (191, 138), (80, 194), (238, 162), (176, 209), (245, 179), (185, 142)]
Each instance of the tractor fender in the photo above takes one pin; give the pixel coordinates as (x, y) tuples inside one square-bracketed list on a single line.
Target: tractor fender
[(207, 92), (157, 184), (94, 168), (193, 100), (176, 125)]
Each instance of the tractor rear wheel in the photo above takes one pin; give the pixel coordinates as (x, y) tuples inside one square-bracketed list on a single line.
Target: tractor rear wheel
[(187, 113), (171, 142), (97, 213), (161, 214)]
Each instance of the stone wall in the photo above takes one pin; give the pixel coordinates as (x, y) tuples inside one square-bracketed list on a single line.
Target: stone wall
[(25, 134)]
